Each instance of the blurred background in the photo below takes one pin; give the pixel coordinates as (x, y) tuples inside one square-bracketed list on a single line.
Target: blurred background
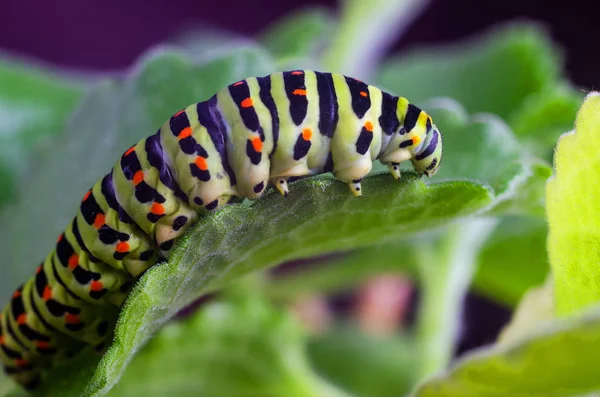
[(110, 35), (107, 37)]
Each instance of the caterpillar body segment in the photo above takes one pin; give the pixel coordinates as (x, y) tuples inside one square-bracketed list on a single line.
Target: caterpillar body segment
[(253, 133)]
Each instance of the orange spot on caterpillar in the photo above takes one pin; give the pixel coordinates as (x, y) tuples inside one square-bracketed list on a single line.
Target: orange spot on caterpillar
[(16, 294), (416, 140), (59, 239), (138, 177), (257, 144), (130, 150), (96, 286), (39, 269), (364, 94), (99, 221), (238, 83), (247, 103), (47, 293), (298, 91), (369, 126), (306, 134), (71, 318), (201, 163), (187, 131), (87, 195), (179, 113), (122, 247), (22, 319), (43, 344), (1, 339), (157, 209), (21, 362), (297, 72), (73, 261)]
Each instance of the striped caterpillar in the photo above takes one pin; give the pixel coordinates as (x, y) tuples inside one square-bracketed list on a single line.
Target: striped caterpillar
[(253, 133)]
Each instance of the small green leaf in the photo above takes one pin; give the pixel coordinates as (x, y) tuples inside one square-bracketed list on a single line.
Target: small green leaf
[(367, 365), (572, 209), (483, 148), (34, 104), (495, 73), (556, 360), (513, 260), (544, 116), (242, 348), (297, 39)]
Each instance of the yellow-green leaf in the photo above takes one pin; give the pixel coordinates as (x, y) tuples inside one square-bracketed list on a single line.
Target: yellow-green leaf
[(572, 211)]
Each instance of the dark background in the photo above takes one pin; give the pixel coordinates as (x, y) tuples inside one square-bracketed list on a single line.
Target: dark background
[(111, 34)]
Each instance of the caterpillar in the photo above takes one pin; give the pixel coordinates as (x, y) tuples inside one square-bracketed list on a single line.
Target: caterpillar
[(254, 133)]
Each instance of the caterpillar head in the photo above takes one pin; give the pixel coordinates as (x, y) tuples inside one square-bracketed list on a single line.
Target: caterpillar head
[(428, 156)]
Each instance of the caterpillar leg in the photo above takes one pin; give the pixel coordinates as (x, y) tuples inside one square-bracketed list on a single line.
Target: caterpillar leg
[(281, 185), (355, 186), (394, 169)]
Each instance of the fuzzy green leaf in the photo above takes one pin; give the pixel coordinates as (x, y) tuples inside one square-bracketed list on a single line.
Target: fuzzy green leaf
[(556, 360), (573, 217), (321, 215), (34, 104)]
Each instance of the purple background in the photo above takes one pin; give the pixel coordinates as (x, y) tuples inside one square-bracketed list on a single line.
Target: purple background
[(112, 33)]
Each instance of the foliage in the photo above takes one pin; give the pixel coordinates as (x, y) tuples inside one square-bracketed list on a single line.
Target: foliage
[(501, 101), (573, 240)]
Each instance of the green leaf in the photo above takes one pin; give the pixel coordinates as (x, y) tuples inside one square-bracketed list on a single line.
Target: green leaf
[(573, 218), (513, 260), (544, 116), (239, 239), (480, 148), (529, 192), (556, 360), (494, 73), (483, 148), (367, 365), (34, 104), (114, 116), (242, 347), (297, 39)]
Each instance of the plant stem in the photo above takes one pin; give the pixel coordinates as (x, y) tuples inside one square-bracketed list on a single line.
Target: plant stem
[(446, 270), (366, 30)]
